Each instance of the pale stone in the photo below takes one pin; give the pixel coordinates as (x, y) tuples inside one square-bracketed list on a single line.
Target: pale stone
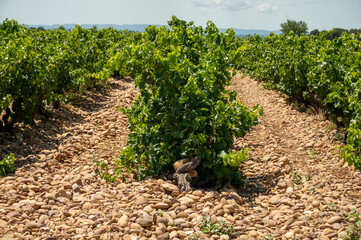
[(186, 201), (87, 206), (289, 235), (161, 205), (170, 187), (140, 201), (335, 219), (123, 221)]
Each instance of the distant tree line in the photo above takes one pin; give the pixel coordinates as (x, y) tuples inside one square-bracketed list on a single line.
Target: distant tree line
[(336, 32), (39, 28), (300, 27)]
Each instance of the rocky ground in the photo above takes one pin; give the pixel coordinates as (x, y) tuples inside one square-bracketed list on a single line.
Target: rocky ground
[(296, 188)]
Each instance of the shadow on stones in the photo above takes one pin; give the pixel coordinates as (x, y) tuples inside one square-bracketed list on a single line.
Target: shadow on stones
[(258, 185), (39, 142)]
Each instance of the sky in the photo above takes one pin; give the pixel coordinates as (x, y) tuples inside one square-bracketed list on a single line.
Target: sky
[(243, 14)]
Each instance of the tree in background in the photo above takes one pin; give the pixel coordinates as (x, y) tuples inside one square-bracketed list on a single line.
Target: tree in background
[(334, 33), (315, 32), (298, 27), (354, 31)]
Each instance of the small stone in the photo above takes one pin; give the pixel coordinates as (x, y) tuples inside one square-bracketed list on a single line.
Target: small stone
[(213, 219), (289, 235), (62, 199), (182, 215), (229, 208), (162, 220), (164, 236), (162, 205), (43, 218), (34, 188), (287, 201), (327, 231), (268, 222), (96, 198), (100, 230), (95, 211), (50, 196), (182, 234), (253, 234), (335, 219), (30, 203), (135, 226), (87, 206), (197, 193), (288, 182), (315, 203), (123, 221), (173, 234), (342, 234), (12, 214), (224, 237), (170, 187), (3, 224), (61, 193), (289, 191), (275, 200), (145, 220), (336, 226), (10, 235), (186, 201), (140, 201), (243, 237), (33, 224), (127, 237), (316, 213), (86, 221), (323, 237), (76, 187), (236, 197)]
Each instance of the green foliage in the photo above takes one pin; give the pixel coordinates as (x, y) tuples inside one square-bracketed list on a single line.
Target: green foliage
[(268, 237), (218, 228), (39, 68), (332, 208), (297, 27), (7, 165), (297, 178), (313, 70), (102, 169), (354, 231), (184, 109), (196, 236)]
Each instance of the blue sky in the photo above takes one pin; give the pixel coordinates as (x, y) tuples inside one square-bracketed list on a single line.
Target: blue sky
[(246, 14)]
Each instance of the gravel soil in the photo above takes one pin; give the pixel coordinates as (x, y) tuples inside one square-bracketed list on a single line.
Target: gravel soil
[(296, 185)]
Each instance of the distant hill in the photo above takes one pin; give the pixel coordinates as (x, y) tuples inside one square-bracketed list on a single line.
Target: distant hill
[(245, 32), (141, 28)]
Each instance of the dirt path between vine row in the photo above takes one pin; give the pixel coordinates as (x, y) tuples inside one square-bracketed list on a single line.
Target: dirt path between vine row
[(296, 186)]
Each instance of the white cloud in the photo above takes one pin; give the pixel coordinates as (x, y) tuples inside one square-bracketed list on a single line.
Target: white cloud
[(267, 8), (229, 5)]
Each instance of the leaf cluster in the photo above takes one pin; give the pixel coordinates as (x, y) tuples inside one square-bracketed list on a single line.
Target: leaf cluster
[(7, 165), (218, 228), (39, 68), (311, 69), (184, 109)]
